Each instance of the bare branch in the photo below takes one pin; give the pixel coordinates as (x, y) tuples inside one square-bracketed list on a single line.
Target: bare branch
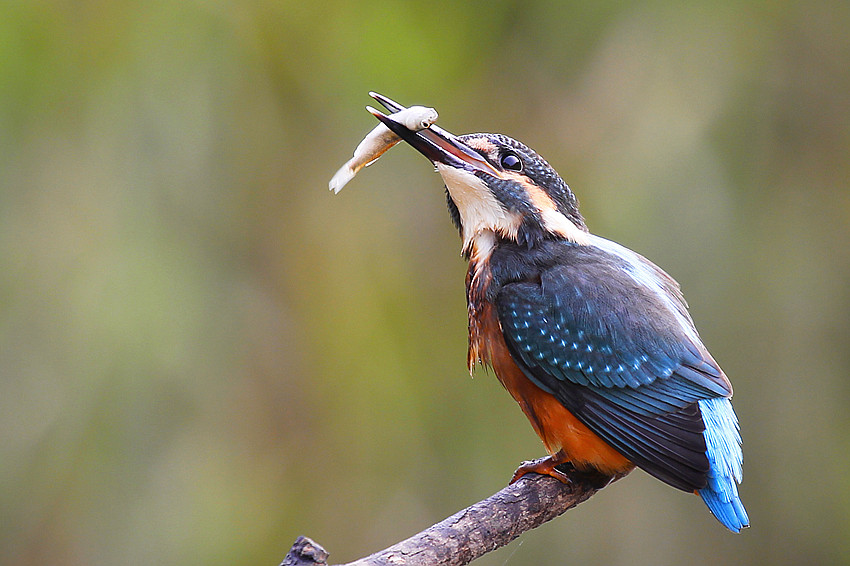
[(478, 529)]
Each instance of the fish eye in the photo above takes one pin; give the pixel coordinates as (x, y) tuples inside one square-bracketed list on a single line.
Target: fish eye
[(511, 161)]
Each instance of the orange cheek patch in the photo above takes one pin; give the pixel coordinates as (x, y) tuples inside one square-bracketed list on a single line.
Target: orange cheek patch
[(553, 219), (538, 197)]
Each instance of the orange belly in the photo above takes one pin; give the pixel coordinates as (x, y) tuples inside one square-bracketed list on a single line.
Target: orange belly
[(559, 430)]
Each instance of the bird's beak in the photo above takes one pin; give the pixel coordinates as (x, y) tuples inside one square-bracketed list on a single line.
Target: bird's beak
[(434, 142)]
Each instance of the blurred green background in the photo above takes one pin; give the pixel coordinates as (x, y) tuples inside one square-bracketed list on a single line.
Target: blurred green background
[(204, 354)]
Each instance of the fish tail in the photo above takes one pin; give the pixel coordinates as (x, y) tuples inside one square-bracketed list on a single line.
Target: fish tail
[(341, 178)]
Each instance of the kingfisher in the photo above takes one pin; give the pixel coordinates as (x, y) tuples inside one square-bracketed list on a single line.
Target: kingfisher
[(592, 340)]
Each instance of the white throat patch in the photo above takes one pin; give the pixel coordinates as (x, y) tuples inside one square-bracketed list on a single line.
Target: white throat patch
[(479, 210)]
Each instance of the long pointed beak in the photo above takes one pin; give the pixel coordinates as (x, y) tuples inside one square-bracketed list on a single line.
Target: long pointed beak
[(434, 142)]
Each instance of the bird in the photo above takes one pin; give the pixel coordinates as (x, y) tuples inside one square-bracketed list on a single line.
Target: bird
[(591, 339)]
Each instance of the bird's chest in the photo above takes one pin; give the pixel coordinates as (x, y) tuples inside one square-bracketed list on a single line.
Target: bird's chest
[(487, 342), (484, 326)]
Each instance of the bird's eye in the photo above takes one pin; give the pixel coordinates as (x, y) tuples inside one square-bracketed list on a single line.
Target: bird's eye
[(511, 161)]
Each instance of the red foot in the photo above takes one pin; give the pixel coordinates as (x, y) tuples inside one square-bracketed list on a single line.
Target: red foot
[(543, 466)]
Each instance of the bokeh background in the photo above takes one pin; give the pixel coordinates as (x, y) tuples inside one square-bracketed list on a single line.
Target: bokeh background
[(204, 354)]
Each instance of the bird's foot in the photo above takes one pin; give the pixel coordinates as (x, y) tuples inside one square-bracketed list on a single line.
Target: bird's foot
[(546, 466)]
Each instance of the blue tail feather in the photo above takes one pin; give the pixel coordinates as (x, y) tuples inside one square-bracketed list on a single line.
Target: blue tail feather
[(723, 448)]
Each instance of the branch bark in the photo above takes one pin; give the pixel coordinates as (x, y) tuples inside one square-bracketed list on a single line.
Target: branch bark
[(478, 529)]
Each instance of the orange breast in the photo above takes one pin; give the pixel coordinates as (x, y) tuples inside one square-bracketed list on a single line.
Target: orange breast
[(555, 425)]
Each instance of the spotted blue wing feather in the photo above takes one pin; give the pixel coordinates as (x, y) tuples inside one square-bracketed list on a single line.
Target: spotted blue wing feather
[(622, 354)]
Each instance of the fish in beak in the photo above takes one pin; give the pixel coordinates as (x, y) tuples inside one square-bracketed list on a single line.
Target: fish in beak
[(435, 143)]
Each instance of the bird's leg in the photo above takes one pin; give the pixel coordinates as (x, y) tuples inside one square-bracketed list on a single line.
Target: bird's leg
[(546, 466)]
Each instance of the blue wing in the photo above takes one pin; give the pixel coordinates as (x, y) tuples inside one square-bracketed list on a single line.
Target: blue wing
[(609, 336)]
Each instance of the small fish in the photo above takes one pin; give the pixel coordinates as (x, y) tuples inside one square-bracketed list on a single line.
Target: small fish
[(379, 141)]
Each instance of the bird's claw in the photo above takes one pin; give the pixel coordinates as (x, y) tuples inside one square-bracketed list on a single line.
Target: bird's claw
[(544, 466)]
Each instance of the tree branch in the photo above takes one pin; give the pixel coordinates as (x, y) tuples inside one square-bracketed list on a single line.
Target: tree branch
[(478, 529)]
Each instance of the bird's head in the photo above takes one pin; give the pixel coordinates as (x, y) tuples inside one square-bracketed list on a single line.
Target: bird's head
[(496, 187)]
